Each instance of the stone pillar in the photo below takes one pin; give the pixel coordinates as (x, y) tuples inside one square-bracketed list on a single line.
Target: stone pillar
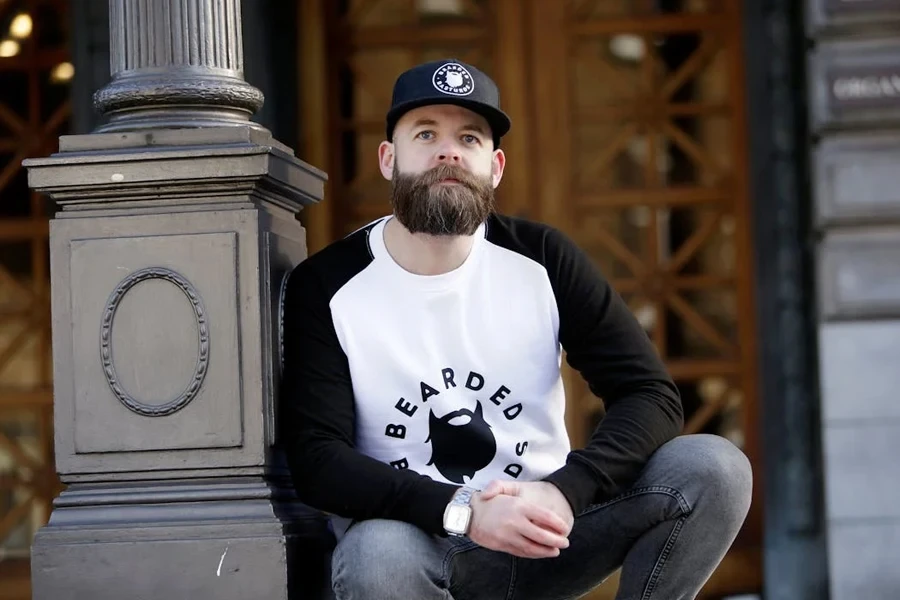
[(177, 225), (855, 118)]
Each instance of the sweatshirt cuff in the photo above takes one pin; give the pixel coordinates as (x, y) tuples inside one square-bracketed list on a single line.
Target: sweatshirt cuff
[(577, 483), (428, 505)]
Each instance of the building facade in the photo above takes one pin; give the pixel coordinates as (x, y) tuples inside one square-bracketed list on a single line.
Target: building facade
[(724, 163)]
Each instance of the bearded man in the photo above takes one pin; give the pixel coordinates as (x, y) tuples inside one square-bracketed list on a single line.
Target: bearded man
[(423, 405)]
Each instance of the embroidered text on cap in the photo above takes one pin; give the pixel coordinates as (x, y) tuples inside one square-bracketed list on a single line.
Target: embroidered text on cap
[(453, 79)]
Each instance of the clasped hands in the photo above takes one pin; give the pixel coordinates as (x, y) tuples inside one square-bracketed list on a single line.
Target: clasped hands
[(529, 519)]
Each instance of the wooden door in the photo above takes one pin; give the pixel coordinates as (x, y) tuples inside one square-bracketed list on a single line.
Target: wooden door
[(627, 135), (639, 154)]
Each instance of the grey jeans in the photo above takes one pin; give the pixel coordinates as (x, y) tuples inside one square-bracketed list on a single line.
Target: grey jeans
[(668, 533)]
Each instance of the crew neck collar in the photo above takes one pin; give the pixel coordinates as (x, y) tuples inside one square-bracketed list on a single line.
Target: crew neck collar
[(428, 282)]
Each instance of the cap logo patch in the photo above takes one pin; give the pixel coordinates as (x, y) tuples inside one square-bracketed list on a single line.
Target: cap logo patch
[(453, 79)]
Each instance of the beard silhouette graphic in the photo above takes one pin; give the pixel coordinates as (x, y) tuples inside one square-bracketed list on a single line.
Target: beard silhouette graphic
[(460, 451)]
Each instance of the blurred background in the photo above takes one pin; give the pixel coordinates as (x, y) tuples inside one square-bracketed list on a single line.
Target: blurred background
[(729, 164)]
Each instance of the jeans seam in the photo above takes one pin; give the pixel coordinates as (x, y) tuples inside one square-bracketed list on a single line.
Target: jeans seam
[(683, 504), (512, 578), (337, 587), (661, 561), (451, 553)]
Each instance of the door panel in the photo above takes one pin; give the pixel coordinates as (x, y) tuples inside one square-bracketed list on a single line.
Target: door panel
[(627, 135), (640, 157)]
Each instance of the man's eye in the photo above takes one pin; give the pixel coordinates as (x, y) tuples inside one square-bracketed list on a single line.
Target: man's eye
[(425, 135), (470, 139)]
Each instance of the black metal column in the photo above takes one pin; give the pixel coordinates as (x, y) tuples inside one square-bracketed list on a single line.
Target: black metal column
[(270, 62), (794, 538), (177, 63)]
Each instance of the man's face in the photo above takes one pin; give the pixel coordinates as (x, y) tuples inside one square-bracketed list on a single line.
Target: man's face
[(443, 169)]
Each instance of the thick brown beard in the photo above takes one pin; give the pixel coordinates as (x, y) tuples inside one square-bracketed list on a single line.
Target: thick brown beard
[(424, 207)]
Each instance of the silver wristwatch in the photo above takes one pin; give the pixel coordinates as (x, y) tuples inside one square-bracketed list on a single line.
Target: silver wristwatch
[(458, 514)]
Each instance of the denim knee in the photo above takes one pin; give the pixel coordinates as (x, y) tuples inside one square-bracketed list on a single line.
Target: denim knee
[(384, 559), (720, 474)]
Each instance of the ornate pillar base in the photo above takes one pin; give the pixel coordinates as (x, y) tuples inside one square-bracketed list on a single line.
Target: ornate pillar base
[(143, 119), (179, 97), (230, 539), (167, 261)]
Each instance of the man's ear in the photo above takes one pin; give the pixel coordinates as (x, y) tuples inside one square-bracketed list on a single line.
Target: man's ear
[(498, 163), (386, 159)]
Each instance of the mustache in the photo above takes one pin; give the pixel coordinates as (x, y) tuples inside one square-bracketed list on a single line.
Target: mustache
[(445, 171)]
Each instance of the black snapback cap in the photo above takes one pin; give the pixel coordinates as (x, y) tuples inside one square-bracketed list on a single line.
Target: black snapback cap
[(448, 82)]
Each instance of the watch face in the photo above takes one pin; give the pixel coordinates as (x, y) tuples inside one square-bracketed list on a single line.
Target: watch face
[(457, 520)]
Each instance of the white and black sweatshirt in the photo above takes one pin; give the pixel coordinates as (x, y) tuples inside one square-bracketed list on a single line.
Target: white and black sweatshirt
[(398, 388)]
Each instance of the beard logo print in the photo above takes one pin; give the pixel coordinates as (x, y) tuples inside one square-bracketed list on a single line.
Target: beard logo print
[(462, 443)]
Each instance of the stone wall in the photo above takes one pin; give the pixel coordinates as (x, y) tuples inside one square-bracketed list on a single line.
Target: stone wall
[(854, 94)]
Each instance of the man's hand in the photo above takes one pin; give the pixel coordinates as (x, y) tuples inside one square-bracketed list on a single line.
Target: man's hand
[(540, 493), (517, 526)]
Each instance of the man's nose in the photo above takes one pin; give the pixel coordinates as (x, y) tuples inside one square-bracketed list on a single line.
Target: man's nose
[(448, 154)]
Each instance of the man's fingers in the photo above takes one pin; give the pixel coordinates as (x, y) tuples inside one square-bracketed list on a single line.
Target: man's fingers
[(526, 548), (516, 525), (542, 536), (495, 488), (546, 518)]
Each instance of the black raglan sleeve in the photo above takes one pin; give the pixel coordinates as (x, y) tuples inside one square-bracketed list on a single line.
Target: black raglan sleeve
[(316, 423), (604, 342)]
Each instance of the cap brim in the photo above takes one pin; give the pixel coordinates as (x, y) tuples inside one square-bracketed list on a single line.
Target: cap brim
[(498, 120)]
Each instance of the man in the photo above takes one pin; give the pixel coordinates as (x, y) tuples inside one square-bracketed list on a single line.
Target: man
[(423, 403)]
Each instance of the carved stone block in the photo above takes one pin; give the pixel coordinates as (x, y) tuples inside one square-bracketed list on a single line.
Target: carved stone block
[(851, 13), (857, 179), (165, 374), (859, 274), (841, 7), (855, 83), (856, 487), (152, 315), (858, 351), (167, 259), (862, 554)]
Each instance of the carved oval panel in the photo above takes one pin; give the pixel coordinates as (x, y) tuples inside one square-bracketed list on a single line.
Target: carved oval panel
[(168, 334)]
